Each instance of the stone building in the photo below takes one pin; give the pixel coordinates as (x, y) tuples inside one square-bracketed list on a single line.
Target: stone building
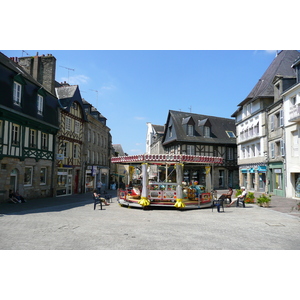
[(28, 128), (97, 148), (260, 128)]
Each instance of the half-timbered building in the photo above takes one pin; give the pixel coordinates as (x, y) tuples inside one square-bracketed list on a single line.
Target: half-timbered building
[(196, 134), (28, 127), (70, 138)]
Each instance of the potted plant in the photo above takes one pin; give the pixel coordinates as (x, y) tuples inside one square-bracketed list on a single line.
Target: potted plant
[(263, 200), (250, 197), (297, 207)]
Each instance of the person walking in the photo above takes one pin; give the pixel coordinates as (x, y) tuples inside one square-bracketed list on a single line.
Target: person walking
[(99, 186)]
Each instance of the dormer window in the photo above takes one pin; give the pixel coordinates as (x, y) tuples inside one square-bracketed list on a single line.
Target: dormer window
[(190, 130), (170, 131), (206, 131), (19, 82), (17, 93), (40, 104)]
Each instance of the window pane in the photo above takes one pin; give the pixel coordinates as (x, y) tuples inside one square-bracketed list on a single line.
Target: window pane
[(28, 176), (43, 175)]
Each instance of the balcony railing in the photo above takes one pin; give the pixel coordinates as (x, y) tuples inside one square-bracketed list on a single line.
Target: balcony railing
[(295, 113)]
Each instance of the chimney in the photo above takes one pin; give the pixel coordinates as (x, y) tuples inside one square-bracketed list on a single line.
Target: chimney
[(42, 69)]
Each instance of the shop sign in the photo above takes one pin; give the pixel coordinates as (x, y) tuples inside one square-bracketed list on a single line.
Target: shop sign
[(94, 170), (59, 156)]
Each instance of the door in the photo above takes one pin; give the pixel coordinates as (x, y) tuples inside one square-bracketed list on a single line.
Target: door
[(76, 182), (13, 179), (69, 185)]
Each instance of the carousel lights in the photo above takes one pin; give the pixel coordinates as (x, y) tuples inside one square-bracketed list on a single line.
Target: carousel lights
[(167, 158)]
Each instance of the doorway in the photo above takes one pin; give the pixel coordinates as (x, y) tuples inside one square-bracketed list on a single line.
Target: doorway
[(13, 179)]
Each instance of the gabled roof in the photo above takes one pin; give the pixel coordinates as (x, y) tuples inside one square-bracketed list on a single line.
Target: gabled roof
[(159, 129), (218, 125), (67, 94), (118, 148), (280, 66)]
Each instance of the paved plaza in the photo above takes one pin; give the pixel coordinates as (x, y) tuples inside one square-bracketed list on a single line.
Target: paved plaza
[(71, 223)]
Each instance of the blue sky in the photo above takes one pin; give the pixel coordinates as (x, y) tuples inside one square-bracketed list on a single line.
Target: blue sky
[(139, 86)]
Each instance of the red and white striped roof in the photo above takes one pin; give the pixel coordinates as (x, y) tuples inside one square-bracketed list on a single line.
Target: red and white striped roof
[(167, 158)]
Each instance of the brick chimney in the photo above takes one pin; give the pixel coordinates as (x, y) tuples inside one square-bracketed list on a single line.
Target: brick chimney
[(41, 68)]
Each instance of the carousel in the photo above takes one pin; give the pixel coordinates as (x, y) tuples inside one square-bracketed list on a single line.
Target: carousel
[(174, 189)]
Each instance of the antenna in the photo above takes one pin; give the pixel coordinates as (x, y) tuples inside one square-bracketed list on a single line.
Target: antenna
[(69, 69), (23, 51), (190, 108), (97, 94)]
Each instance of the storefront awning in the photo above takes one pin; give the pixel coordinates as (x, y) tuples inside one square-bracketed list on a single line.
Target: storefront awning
[(262, 169), (244, 170)]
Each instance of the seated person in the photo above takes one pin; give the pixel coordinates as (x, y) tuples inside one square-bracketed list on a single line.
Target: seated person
[(19, 197), (238, 197), (12, 197), (227, 195), (98, 196)]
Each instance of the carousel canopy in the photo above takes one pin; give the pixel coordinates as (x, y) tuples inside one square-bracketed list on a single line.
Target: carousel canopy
[(167, 159)]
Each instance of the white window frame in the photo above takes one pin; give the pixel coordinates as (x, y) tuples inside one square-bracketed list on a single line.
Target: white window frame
[(206, 131), (190, 149), (15, 134), (40, 104), (272, 150), (190, 130), (170, 131), (28, 174), (272, 122), (281, 118), (32, 138), (77, 127), (230, 153), (68, 124), (44, 141), (17, 95), (76, 151), (282, 147)]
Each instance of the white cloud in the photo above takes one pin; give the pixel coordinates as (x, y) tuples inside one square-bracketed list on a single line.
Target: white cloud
[(78, 79), (139, 118), (271, 51), (108, 87), (134, 151)]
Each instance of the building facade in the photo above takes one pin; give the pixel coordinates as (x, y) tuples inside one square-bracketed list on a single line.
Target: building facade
[(46, 137), (28, 128), (260, 128), (154, 137), (291, 109), (97, 149), (70, 139), (195, 134)]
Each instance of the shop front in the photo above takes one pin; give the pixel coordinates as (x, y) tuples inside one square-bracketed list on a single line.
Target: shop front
[(64, 182), (277, 180), (90, 178)]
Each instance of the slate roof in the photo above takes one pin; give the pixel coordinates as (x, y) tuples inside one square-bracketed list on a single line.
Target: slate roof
[(66, 95), (159, 129), (219, 126), (11, 64), (118, 148), (280, 66)]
